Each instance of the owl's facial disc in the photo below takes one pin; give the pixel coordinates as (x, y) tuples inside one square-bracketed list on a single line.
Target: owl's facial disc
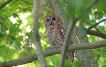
[(51, 20)]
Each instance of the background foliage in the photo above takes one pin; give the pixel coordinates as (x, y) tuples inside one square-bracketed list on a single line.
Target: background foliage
[(16, 29)]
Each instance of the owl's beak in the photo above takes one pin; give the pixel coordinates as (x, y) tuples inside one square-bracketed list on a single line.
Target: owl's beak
[(50, 22)]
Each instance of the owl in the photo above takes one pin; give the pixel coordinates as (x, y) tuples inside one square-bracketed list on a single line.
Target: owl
[(56, 32)]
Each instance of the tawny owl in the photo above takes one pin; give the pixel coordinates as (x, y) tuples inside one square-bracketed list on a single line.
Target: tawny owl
[(56, 33)]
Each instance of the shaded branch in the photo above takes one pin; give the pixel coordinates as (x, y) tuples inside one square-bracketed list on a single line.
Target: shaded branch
[(5, 3), (81, 54), (59, 11), (92, 4), (96, 33), (53, 51), (96, 24), (104, 1), (27, 2), (87, 60), (2, 24), (2, 19)]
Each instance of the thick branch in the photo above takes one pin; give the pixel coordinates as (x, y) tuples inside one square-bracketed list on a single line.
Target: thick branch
[(87, 60), (5, 3), (53, 51)]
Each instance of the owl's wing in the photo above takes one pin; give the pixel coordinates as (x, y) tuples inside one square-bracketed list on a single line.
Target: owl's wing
[(61, 32)]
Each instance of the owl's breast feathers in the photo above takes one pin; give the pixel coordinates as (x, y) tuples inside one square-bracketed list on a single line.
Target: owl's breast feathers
[(56, 34)]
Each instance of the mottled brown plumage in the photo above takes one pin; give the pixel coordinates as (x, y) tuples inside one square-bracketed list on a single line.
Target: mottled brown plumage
[(56, 33)]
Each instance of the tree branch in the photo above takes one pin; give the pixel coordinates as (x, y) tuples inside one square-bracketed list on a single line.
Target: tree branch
[(59, 11), (37, 43), (92, 4), (81, 46), (90, 25), (87, 60), (27, 2), (80, 53), (104, 1), (96, 33), (67, 41), (5, 3), (96, 24)]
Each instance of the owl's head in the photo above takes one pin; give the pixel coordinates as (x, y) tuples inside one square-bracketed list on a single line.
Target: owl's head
[(52, 20)]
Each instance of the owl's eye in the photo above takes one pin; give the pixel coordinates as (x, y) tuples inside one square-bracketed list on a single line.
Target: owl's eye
[(48, 20), (53, 18)]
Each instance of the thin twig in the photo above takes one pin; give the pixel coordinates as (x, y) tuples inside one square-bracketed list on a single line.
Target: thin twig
[(99, 54), (66, 42), (5, 3), (53, 51), (2, 22), (91, 25), (27, 2), (2, 19), (37, 43), (104, 1), (96, 24)]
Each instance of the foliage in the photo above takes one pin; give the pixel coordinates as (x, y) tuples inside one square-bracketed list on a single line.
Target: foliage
[(16, 40)]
